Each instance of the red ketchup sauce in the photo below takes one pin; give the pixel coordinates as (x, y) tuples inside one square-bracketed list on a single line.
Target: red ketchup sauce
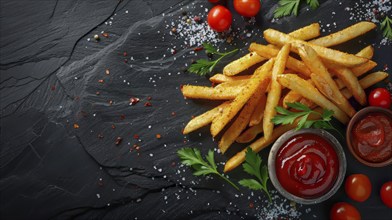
[(372, 137), (307, 166)]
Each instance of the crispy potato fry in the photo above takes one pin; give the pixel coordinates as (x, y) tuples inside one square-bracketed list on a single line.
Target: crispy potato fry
[(308, 91), (220, 78), (258, 113), (291, 97), (306, 33), (345, 35), (367, 81), (250, 134), (262, 142), (364, 68), (204, 119), (204, 92), (352, 83), (270, 52), (334, 56), (242, 64), (366, 52), (262, 76), (241, 121), (275, 90), (231, 84), (322, 79)]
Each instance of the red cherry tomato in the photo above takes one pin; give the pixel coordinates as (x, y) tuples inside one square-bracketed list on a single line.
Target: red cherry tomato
[(247, 8), (213, 1), (344, 211), (386, 194), (219, 18), (380, 97), (358, 187)]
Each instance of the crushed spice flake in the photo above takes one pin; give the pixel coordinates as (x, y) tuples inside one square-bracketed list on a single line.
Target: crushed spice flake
[(133, 101), (76, 126), (118, 141), (106, 35), (101, 81), (158, 136), (113, 126), (107, 72), (100, 136), (147, 104)]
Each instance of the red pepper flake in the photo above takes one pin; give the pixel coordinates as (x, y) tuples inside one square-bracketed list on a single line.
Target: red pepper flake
[(136, 136), (100, 136), (97, 93), (133, 100), (76, 126), (149, 98), (173, 114), (185, 141), (251, 205), (197, 19), (158, 136), (105, 35), (53, 88), (385, 67), (125, 60), (107, 72), (198, 48), (173, 164), (110, 102), (113, 126), (118, 140), (136, 147), (125, 54), (147, 104), (101, 81), (122, 117)]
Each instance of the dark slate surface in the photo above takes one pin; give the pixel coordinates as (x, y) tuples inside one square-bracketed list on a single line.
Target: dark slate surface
[(49, 79)]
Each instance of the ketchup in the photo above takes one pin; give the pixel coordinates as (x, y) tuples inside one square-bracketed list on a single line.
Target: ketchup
[(372, 137), (307, 166)]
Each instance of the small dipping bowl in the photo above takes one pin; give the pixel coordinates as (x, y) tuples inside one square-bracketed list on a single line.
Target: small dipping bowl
[(333, 178), (353, 147)]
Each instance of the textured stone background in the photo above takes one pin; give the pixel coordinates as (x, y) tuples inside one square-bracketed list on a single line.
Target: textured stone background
[(49, 79)]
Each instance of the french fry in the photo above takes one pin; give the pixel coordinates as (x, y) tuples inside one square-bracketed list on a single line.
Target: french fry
[(275, 90), (366, 52), (258, 113), (322, 79), (262, 142), (334, 56), (345, 35), (203, 119), (306, 33), (308, 91), (270, 52), (250, 134), (241, 121), (204, 92), (291, 97), (231, 84), (352, 83), (367, 81), (262, 76), (220, 78)]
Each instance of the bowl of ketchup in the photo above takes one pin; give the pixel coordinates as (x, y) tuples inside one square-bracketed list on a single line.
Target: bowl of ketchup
[(369, 136), (307, 166)]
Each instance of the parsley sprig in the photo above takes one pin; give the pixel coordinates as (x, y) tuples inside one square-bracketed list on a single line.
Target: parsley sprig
[(291, 7), (386, 27), (253, 167), (204, 66), (288, 117), (192, 157)]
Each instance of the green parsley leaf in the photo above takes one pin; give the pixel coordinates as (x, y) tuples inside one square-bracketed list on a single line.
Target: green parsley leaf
[(253, 167), (192, 157), (386, 27), (313, 4), (291, 7), (203, 66)]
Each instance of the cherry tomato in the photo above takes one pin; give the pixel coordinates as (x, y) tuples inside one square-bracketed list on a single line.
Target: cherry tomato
[(219, 18), (213, 1), (358, 187), (247, 8), (344, 211), (386, 194), (380, 97)]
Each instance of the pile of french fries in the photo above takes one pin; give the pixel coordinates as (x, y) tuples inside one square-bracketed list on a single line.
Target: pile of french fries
[(323, 78)]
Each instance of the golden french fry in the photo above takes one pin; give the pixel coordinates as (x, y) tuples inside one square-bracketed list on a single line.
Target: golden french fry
[(262, 76), (203, 119), (242, 64), (367, 81), (366, 52), (220, 78), (270, 52), (334, 56), (241, 121), (262, 142), (345, 35), (258, 113), (204, 92), (231, 84), (306, 33), (291, 97), (308, 91), (250, 134), (352, 83), (275, 90), (322, 78)]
